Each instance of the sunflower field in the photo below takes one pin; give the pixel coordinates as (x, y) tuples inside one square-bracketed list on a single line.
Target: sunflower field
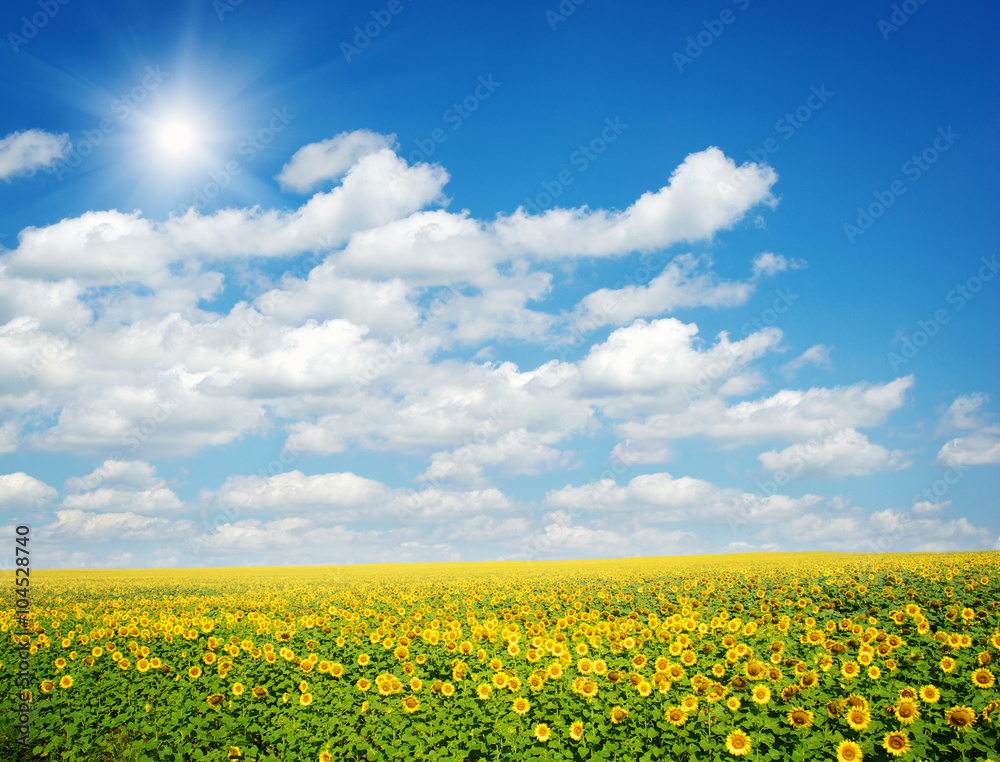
[(757, 657)]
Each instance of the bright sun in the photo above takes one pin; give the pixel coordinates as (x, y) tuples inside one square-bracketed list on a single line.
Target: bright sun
[(177, 137)]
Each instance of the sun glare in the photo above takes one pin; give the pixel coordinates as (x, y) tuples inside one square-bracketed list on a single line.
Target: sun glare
[(177, 137)]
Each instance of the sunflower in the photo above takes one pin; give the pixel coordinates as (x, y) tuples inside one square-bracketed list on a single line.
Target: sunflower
[(929, 694), (858, 718), (983, 678), (848, 751), (897, 743), (542, 732), (850, 670), (809, 679), (324, 756), (259, 691), (991, 710), (65, 682), (305, 699), (411, 704), (576, 731), (857, 702), (618, 714), (363, 684), (733, 703), (676, 716), (47, 685), (906, 712), (947, 664), (214, 699), (238, 689), (737, 743), (194, 673), (521, 705), (960, 717), (800, 717), (761, 694)]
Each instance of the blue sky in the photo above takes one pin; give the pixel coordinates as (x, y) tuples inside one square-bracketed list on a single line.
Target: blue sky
[(411, 281)]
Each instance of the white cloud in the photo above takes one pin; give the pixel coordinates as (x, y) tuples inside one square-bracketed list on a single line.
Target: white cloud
[(560, 537), (347, 494), (103, 248), (329, 159), (109, 527), (518, 451), (974, 450), (769, 263), (149, 502), (20, 491), (8, 437), (661, 498), (654, 356), (23, 152), (634, 453), (789, 414), (449, 405), (128, 474), (925, 507), (842, 453), (817, 355), (679, 285), (693, 206), (981, 447), (965, 412)]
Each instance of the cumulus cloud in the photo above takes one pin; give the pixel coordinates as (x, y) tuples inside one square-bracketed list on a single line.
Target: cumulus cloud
[(679, 285), (693, 206), (20, 491), (330, 159), (788, 414), (24, 152), (981, 447), (974, 450), (662, 498), (293, 491), (662, 353), (845, 452), (965, 412), (879, 531), (127, 474)]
